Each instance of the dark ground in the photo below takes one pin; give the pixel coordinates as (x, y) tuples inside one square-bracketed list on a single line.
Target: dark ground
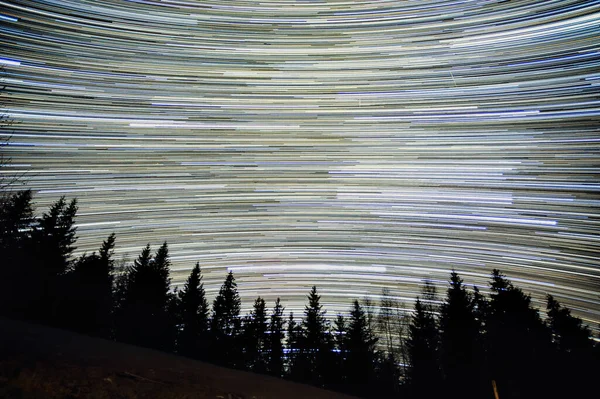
[(42, 362)]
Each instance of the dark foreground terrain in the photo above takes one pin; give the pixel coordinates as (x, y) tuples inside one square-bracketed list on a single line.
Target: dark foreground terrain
[(42, 362)]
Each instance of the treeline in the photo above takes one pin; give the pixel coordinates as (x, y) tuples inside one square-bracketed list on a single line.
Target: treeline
[(466, 345)]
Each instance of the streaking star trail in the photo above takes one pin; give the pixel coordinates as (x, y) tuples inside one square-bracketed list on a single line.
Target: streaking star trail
[(354, 145)]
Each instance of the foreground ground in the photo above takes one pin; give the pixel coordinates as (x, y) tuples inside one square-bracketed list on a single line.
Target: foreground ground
[(41, 362)]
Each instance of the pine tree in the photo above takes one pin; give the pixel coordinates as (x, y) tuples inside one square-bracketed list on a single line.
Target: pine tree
[(226, 325), (49, 258), (160, 267), (460, 350), (55, 237), (295, 349), (317, 357), (573, 352), (518, 342), (361, 351), (255, 334), (89, 297), (193, 310), (340, 336), (424, 374), (144, 300), (274, 347), (569, 332)]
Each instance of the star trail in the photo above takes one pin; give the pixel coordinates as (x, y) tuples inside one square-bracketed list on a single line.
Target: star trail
[(354, 145)]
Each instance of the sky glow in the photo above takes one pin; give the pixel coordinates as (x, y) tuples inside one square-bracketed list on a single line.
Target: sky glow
[(354, 145)]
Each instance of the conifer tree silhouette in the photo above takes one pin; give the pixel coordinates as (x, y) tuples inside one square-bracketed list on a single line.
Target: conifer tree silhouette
[(459, 332), (569, 332), (424, 374), (226, 325), (295, 349), (88, 291), (317, 349), (194, 313), (55, 236), (573, 352), (361, 351), (255, 337), (517, 340), (53, 239), (142, 317), (340, 338), (274, 343)]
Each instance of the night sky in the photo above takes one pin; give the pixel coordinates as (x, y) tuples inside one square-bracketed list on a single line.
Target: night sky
[(354, 145)]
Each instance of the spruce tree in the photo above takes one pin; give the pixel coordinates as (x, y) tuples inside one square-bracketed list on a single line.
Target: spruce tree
[(131, 294), (424, 375), (361, 352), (317, 357), (573, 352), (569, 332), (89, 292), (160, 267), (274, 347), (340, 337), (193, 311), (55, 236), (518, 341), (255, 337), (460, 330), (226, 325), (142, 314), (295, 349), (49, 257)]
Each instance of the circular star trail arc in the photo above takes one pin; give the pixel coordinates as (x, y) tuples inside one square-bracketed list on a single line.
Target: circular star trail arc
[(355, 145)]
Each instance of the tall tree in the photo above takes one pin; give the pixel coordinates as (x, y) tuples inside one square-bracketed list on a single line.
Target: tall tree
[(275, 364), (318, 346), (295, 349), (256, 337), (569, 332), (340, 337), (55, 236), (361, 352), (142, 315), (573, 352), (193, 310), (48, 258), (517, 341), (89, 292), (424, 375), (226, 324), (460, 350)]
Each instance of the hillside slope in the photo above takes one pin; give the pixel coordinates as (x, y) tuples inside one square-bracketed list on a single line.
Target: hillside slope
[(43, 362)]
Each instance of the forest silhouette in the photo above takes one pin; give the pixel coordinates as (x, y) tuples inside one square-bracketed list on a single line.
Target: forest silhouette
[(466, 344)]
